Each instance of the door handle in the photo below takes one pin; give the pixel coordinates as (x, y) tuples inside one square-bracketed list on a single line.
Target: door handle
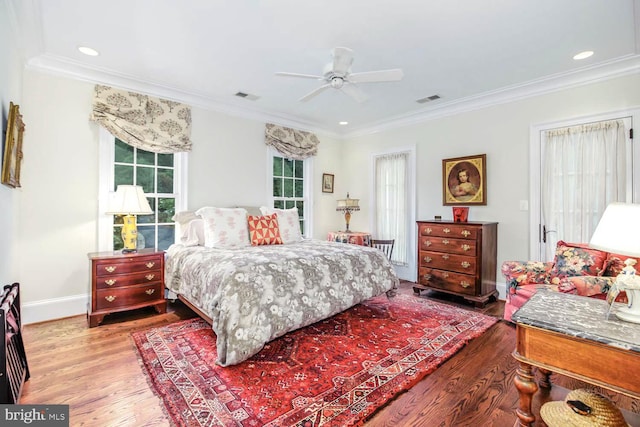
[(544, 233)]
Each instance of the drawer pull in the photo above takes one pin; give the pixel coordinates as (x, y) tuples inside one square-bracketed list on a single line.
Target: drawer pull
[(110, 298), (149, 291), (445, 242), (150, 276), (150, 264), (428, 230), (447, 230), (445, 275), (466, 247), (465, 264), (465, 284), (110, 268), (445, 256), (428, 259), (427, 243), (427, 277), (465, 233), (110, 282)]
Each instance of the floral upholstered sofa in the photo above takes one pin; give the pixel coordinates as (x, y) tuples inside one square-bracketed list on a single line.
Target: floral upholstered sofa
[(576, 269)]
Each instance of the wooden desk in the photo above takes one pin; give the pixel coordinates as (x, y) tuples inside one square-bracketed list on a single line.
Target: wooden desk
[(572, 336), (353, 237)]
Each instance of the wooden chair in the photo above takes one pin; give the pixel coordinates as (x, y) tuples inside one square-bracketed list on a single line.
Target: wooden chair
[(385, 246)]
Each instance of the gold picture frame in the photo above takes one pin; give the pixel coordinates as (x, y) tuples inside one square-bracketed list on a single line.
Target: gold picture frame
[(464, 180), (12, 152), (327, 183)]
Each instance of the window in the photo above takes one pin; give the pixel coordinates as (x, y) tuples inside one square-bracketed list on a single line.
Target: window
[(161, 178), (290, 184)]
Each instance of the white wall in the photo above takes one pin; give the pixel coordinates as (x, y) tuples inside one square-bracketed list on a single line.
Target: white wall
[(502, 132)]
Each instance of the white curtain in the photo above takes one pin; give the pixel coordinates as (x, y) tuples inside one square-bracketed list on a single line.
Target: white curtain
[(584, 171), (391, 203)]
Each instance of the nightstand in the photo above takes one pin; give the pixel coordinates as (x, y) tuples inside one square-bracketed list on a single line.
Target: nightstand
[(353, 237), (121, 282)]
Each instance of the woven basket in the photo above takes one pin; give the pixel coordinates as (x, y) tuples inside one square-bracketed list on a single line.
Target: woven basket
[(602, 411)]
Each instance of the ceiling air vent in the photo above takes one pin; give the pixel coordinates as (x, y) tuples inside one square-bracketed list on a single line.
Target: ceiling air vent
[(428, 99), (247, 96)]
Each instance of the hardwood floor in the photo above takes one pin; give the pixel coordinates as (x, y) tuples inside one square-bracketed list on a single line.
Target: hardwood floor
[(97, 373)]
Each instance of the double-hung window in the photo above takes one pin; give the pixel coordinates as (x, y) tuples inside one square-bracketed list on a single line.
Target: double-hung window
[(290, 180)]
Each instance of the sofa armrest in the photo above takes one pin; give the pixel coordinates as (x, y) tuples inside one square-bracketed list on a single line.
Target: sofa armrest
[(588, 286), (519, 273)]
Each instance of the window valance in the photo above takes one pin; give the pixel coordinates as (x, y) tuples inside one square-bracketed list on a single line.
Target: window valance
[(143, 121), (291, 143)]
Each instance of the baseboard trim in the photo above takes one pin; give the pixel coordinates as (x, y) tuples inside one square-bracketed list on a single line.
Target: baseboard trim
[(54, 308), (501, 287)]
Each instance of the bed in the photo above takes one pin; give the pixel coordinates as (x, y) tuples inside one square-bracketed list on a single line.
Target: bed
[(252, 295)]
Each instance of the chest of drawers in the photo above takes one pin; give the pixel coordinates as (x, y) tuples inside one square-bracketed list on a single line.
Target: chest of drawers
[(458, 258), (122, 282)]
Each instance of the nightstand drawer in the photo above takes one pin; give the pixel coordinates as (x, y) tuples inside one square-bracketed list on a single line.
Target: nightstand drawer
[(127, 265), (123, 280), (130, 296)]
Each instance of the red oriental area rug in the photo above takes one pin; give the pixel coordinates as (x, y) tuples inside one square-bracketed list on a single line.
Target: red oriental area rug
[(333, 373)]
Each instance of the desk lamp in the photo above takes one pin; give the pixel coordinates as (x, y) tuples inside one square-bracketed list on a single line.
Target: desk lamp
[(619, 232), (347, 206), (129, 201)]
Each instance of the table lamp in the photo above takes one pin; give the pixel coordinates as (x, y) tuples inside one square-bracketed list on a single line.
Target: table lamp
[(129, 201), (347, 206), (619, 232)]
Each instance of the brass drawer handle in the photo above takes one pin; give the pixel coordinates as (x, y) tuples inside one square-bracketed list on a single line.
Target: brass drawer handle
[(150, 276), (445, 256), (110, 282), (427, 277), (465, 264), (445, 275), (149, 291), (110, 298), (445, 242), (150, 264), (466, 247), (427, 243), (428, 230), (428, 259), (465, 233), (465, 284), (447, 230), (110, 268)]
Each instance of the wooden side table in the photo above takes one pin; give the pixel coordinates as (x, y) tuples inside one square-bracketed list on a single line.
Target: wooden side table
[(353, 237), (571, 335), (121, 282)]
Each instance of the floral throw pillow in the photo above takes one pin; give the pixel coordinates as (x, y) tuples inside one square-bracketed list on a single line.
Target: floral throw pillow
[(264, 230), (615, 264), (224, 227), (576, 259)]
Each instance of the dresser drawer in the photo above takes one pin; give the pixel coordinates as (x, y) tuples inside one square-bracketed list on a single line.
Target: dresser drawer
[(446, 280), (107, 299), (127, 265), (445, 261), (120, 280), (446, 244), (448, 230)]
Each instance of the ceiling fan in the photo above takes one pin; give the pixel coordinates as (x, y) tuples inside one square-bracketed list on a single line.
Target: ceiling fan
[(337, 75)]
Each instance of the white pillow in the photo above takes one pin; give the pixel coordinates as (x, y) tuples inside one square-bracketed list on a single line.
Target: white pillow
[(193, 234), (225, 227), (288, 221)]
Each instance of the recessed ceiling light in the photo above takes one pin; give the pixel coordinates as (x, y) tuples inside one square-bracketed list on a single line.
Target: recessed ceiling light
[(343, 123), (88, 51), (583, 55)]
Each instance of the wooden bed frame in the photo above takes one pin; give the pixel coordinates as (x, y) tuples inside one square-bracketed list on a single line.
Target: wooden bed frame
[(199, 312), (14, 370)]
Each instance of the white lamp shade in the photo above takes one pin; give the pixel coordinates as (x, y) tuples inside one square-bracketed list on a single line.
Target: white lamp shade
[(348, 204), (129, 200), (619, 230)]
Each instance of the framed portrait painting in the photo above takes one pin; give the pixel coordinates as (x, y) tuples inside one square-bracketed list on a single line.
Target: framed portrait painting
[(12, 150), (327, 183), (464, 181)]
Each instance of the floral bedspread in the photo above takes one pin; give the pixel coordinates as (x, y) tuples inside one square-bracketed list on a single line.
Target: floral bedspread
[(259, 293)]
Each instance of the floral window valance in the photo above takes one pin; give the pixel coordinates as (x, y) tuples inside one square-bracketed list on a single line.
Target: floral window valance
[(143, 121), (291, 143)]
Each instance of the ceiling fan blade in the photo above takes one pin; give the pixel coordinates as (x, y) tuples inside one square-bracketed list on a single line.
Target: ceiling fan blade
[(354, 92), (305, 76), (377, 76), (314, 92), (342, 60)]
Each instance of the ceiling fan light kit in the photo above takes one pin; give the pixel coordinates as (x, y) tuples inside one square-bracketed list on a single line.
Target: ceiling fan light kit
[(337, 75)]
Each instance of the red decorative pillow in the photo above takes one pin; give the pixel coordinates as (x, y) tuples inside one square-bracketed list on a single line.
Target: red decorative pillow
[(264, 230), (615, 264), (576, 259)]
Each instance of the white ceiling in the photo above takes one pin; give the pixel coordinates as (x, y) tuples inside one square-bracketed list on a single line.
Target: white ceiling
[(470, 52)]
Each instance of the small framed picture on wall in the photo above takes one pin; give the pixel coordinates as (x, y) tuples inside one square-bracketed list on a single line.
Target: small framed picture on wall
[(327, 183), (464, 181)]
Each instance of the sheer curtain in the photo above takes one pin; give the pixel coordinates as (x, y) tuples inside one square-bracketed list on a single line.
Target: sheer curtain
[(584, 171), (391, 203)]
